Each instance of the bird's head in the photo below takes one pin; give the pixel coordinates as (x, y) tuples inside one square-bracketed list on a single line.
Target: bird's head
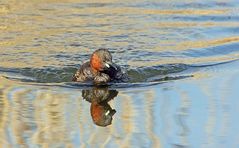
[(101, 60)]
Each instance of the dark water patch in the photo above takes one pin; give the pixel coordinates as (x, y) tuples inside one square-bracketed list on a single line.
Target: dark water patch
[(75, 44), (91, 5), (97, 25), (122, 36), (9, 70), (130, 84), (76, 85), (41, 75), (59, 75), (141, 76), (50, 74), (17, 78)]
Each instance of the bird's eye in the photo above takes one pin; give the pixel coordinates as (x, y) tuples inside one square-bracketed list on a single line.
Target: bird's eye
[(105, 60)]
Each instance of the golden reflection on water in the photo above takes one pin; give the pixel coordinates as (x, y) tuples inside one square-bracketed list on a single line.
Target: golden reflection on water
[(208, 43), (3, 115), (39, 116), (27, 21), (151, 96), (31, 31)]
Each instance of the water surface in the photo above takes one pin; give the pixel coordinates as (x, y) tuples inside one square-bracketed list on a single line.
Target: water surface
[(182, 57)]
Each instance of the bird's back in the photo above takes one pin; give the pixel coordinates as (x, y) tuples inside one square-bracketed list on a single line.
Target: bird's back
[(84, 73)]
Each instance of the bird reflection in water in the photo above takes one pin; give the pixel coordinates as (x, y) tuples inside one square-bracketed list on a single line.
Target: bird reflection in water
[(101, 112)]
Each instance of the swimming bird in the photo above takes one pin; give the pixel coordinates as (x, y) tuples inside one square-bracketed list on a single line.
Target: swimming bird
[(100, 69)]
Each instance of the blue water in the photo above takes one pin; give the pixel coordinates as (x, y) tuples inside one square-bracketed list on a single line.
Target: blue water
[(181, 56)]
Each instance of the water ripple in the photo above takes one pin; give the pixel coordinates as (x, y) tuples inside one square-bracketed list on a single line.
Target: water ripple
[(182, 57)]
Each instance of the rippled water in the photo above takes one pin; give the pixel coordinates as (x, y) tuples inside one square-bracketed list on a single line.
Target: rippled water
[(181, 57)]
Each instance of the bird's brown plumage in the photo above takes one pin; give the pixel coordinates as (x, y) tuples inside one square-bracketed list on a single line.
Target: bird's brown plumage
[(100, 69)]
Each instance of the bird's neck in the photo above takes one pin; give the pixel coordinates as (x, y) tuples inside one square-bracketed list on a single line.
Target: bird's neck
[(94, 71)]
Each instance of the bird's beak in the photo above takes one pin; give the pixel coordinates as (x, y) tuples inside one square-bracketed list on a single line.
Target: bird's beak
[(110, 65), (107, 65)]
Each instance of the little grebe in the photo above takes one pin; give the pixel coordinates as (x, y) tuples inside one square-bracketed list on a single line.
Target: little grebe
[(100, 69)]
